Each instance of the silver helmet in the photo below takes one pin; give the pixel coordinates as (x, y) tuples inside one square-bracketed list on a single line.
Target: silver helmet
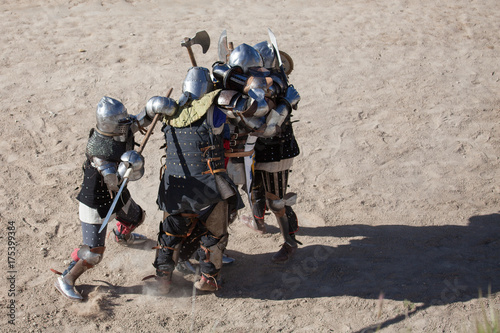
[(112, 117), (268, 54), (245, 57), (196, 84)]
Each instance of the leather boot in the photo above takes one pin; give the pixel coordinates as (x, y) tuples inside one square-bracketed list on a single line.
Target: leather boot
[(256, 224), (207, 283), (163, 284), (129, 239), (163, 280), (285, 253)]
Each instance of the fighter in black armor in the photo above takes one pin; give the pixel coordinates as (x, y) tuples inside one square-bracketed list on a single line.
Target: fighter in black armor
[(109, 153), (256, 72), (195, 191)]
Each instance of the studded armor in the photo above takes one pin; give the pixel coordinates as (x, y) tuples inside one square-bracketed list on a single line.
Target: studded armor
[(94, 191), (193, 153)]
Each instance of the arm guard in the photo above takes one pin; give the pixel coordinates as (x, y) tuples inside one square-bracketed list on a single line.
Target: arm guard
[(141, 120), (108, 171), (228, 77), (275, 119), (278, 86), (244, 109), (277, 116), (232, 103), (232, 79), (258, 96)]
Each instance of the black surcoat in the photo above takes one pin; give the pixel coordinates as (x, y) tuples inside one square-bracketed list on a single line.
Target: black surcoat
[(194, 155), (94, 192)]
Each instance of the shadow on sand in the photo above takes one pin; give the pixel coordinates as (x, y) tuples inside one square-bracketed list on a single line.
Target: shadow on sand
[(433, 265)]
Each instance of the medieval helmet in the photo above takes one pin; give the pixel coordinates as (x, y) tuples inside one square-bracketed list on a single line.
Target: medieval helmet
[(112, 117), (196, 84), (268, 54), (245, 57)]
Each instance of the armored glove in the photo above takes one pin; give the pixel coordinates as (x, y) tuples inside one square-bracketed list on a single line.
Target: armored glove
[(133, 160), (291, 97), (162, 105)]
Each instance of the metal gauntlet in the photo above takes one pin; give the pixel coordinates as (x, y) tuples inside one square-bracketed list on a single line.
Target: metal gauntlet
[(156, 104), (162, 105), (291, 97), (135, 161)]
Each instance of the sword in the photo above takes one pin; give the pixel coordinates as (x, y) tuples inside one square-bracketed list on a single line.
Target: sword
[(129, 170), (113, 205), (277, 51)]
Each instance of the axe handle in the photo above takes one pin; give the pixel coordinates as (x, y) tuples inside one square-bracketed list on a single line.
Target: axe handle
[(190, 52)]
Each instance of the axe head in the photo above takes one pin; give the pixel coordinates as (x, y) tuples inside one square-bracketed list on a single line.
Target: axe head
[(201, 38)]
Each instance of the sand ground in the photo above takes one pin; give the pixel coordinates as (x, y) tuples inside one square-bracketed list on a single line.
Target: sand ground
[(397, 177)]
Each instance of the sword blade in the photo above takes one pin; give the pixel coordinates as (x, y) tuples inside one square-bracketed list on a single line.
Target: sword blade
[(275, 45), (113, 205), (272, 37)]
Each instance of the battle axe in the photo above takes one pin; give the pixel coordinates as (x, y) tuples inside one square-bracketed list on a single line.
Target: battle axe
[(201, 38)]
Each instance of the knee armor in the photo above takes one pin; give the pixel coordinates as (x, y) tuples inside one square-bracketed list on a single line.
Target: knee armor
[(91, 256)]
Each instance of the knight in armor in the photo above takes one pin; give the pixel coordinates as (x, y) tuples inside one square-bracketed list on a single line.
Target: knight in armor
[(109, 153), (195, 194), (266, 125)]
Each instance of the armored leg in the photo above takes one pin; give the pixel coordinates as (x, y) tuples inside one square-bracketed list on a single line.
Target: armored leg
[(83, 259), (287, 222), (188, 248), (212, 248), (128, 219), (258, 204), (173, 230), (280, 203)]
